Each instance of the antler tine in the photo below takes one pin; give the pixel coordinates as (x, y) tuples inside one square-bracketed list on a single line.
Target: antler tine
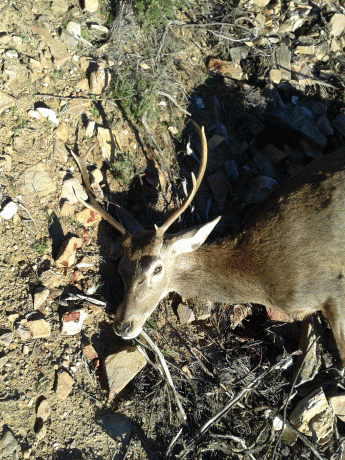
[(92, 203), (196, 183)]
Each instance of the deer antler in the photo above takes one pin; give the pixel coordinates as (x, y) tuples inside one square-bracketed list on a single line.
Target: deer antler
[(92, 203), (196, 184)]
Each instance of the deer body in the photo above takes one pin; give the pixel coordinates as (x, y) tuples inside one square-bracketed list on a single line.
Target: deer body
[(289, 254)]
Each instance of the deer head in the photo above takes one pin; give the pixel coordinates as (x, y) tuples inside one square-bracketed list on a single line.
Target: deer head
[(148, 266)]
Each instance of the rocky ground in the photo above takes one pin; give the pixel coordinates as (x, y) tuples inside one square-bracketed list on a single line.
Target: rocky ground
[(118, 83)]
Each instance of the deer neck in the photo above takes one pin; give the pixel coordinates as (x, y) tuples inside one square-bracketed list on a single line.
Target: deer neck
[(221, 273)]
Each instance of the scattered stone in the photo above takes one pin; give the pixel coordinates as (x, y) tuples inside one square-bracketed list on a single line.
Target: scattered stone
[(8, 444), (3, 361), (288, 436), (40, 296), (231, 170), (49, 114), (309, 362), (39, 328), (67, 252), (12, 54), (310, 151), (91, 6), (238, 53), (220, 188), (6, 338), (67, 209), (339, 123), (89, 352), (101, 29), (325, 126), (106, 142), (88, 217), (9, 210), (59, 7), (276, 75), (23, 333), (62, 132), (6, 101), (118, 427), (227, 69), (314, 417), (89, 64), (337, 24), (36, 180), (283, 57), (90, 127), (64, 385), (185, 314), (97, 175), (274, 154), (121, 368), (296, 119), (83, 84), (60, 151), (99, 80), (58, 49), (214, 141), (261, 3), (69, 39), (72, 322), (5, 163), (70, 188), (74, 28), (337, 403)]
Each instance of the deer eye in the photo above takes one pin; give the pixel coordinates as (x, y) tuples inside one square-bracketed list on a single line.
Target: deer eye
[(157, 270)]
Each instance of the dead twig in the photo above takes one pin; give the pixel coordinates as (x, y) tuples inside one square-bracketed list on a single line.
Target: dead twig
[(154, 347), (192, 442), (162, 93)]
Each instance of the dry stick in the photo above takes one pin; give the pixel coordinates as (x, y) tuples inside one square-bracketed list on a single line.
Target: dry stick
[(236, 439), (193, 441), (147, 338), (301, 436), (172, 443), (175, 103)]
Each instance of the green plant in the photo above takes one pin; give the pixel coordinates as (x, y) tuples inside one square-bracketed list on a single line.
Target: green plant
[(85, 34), (123, 169), (155, 14), (150, 323), (94, 111), (40, 246), (40, 382)]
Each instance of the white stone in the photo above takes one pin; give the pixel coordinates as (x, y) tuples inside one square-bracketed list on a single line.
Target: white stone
[(9, 210), (11, 54), (48, 113), (34, 114)]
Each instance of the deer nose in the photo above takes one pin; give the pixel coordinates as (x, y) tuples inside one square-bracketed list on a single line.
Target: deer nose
[(123, 329)]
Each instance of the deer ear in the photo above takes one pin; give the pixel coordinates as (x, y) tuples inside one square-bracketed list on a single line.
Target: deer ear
[(191, 239)]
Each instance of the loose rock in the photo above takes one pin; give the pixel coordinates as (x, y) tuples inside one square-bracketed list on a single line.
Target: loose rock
[(121, 368), (6, 101), (39, 328), (64, 385), (337, 24), (8, 444), (185, 314), (91, 6), (99, 80), (66, 253), (88, 217), (43, 410), (314, 417), (9, 210), (72, 322), (6, 339), (36, 180), (58, 49), (106, 142), (70, 188), (40, 296)]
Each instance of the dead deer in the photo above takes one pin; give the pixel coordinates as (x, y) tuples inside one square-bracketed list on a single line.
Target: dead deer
[(289, 253)]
